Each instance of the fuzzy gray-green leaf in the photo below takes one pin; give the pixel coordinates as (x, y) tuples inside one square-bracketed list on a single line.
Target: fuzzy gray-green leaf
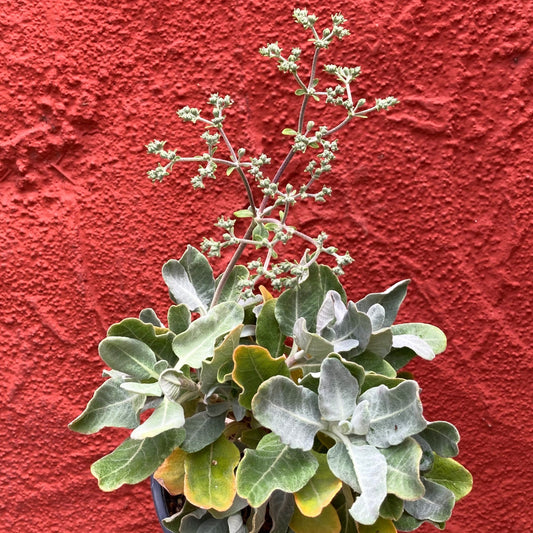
[(200, 274), (198, 343), (403, 477), (305, 299), (134, 328), (110, 406), (181, 289), (130, 356), (390, 300), (268, 332), (395, 414), (443, 438), (337, 391), (233, 288), (431, 335), (272, 466), (436, 504), (201, 430), (135, 460), (179, 318), (167, 415), (289, 410), (364, 469)]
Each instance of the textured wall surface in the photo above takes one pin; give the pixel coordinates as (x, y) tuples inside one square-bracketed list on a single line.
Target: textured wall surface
[(437, 190)]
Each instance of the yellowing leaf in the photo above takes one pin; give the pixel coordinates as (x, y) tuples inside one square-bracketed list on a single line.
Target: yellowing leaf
[(265, 293), (320, 489), (209, 475), (381, 526), (171, 474), (253, 366), (327, 522), (452, 475)]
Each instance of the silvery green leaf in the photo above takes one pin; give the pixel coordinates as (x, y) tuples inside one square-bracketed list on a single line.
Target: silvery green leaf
[(311, 343), (179, 318), (432, 335), (130, 356), (198, 343), (146, 389), (268, 333), (148, 316), (219, 368), (376, 313), (409, 523), (181, 289), (170, 382), (360, 422), (272, 466), (135, 460), (200, 274), (373, 380), (374, 363), (399, 357), (452, 475), (436, 504), (346, 345), (353, 326), (161, 366), (281, 509), (289, 410), (305, 299), (173, 523), (201, 430), (391, 508), (390, 300), (236, 524), (218, 408), (395, 414), (239, 412), (331, 311), (364, 469), (110, 373), (337, 391), (380, 342), (205, 524), (168, 415), (418, 345), (356, 370), (443, 438), (428, 458), (233, 289), (403, 476), (160, 343), (110, 406)]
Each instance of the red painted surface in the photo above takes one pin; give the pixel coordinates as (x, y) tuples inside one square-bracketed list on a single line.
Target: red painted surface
[(436, 190)]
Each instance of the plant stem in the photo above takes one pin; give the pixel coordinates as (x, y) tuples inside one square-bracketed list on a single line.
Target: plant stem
[(310, 86), (235, 160), (229, 267)]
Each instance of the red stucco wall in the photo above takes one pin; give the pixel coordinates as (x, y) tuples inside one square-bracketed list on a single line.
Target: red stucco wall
[(437, 190)]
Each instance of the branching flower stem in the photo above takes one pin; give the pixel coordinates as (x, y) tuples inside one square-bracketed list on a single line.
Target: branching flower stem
[(237, 165), (263, 230), (309, 87)]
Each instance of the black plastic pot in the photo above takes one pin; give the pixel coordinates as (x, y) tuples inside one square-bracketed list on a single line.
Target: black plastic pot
[(160, 502)]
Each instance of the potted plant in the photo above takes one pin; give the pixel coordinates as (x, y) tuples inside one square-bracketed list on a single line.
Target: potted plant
[(266, 400)]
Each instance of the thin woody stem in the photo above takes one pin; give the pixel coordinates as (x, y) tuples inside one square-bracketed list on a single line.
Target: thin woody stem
[(233, 261)]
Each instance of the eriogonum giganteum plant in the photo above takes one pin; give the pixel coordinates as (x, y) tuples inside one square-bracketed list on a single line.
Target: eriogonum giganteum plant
[(280, 414)]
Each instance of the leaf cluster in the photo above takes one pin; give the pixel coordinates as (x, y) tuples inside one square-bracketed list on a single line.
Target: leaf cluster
[(291, 410)]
